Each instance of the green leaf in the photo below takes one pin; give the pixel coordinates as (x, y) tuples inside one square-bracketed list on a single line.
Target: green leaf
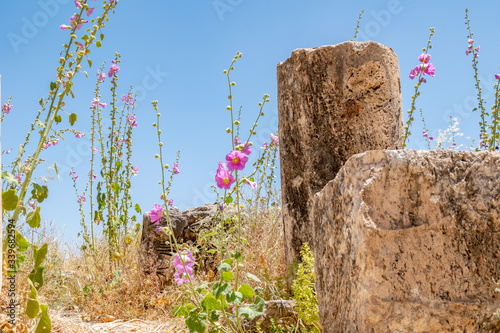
[(253, 277), (33, 218), (36, 276), (9, 199), (224, 267), (85, 37), (183, 310), (57, 171), (102, 36), (44, 324), (21, 242), (58, 119), (39, 255), (246, 291), (210, 303), (197, 323), (221, 289), (9, 178), (53, 86), (115, 187), (69, 84), (41, 101), (72, 118), (254, 310), (234, 297), (40, 193), (98, 44), (33, 307), (228, 200), (227, 276), (236, 255)]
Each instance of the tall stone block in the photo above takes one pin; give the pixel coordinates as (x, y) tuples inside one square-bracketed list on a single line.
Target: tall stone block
[(408, 241), (333, 102)]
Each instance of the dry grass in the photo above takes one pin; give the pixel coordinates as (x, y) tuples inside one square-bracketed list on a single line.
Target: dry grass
[(87, 293)]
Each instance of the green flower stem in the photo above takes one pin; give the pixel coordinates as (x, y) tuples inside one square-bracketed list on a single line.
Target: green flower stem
[(415, 95)]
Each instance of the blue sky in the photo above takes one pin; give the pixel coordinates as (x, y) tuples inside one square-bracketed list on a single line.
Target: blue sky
[(175, 52)]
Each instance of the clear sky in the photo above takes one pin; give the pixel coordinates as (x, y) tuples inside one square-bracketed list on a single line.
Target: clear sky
[(175, 52)]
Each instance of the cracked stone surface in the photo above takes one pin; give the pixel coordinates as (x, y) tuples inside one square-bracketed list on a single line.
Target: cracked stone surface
[(408, 241)]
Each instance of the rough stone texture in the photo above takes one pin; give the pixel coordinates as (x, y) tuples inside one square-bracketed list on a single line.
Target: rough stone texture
[(155, 256), (408, 241), (282, 312), (333, 102)]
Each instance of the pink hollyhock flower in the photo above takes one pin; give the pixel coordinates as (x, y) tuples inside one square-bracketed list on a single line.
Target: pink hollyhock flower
[(8, 150), (113, 69), (75, 21), (156, 213), (224, 178), (470, 41), (94, 149), (64, 27), (467, 52), (82, 199), (101, 76), (274, 139), (176, 169), (79, 135), (236, 160), (184, 271), (171, 202), (247, 150), (424, 58), (78, 4), (90, 174), (428, 69), (96, 102), (497, 76), (251, 183), (264, 145), (19, 177), (477, 48), (80, 46), (32, 204), (422, 80), (135, 170), (6, 108), (415, 72), (131, 120), (236, 141), (90, 11)]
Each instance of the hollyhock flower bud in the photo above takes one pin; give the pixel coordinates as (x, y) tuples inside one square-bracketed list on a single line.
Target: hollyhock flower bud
[(497, 76)]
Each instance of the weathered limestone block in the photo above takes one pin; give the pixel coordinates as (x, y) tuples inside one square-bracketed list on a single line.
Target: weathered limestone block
[(408, 241), (333, 102), (156, 256)]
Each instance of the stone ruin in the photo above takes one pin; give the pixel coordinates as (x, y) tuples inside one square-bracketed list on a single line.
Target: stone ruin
[(404, 241), (156, 256), (333, 102)]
